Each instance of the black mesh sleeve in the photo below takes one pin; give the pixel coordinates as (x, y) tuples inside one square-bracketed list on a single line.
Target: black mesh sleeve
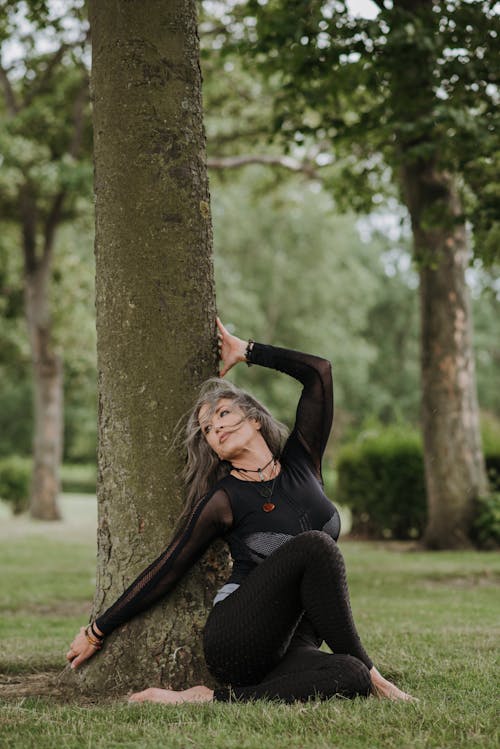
[(211, 517), (314, 415)]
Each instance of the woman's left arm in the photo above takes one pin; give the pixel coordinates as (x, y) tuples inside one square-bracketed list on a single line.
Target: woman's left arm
[(315, 408)]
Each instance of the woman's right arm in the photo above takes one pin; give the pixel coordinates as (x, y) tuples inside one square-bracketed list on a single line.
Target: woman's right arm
[(210, 518)]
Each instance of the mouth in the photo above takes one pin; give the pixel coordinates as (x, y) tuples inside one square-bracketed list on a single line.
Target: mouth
[(223, 438)]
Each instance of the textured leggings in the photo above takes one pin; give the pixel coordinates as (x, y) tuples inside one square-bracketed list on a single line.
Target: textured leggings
[(250, 637)]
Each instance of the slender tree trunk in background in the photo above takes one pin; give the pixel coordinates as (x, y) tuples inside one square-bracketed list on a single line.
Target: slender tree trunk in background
[(47, 375), (155, 325), (454, 462)]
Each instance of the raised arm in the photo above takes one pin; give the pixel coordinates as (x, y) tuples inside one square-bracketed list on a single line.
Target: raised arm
[(313, 420), (315, 408), (211, 517)]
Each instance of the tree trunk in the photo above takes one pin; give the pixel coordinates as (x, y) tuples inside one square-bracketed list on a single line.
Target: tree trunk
[(47, 396), (155, 326), (454, 463)]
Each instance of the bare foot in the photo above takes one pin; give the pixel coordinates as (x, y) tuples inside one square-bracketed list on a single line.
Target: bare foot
[(169, 697), (384, 689)]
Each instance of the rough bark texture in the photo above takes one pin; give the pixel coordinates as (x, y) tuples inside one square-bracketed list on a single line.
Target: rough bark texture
[(454, 463), (155, 325)]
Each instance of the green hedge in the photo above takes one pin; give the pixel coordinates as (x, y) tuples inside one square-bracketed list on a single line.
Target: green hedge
[(15, 480), (381, 479), (490, 433), (486, 527), (493, 468)]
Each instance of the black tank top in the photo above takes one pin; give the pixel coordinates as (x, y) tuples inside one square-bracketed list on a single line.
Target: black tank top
[(233, 509), (299, 505)]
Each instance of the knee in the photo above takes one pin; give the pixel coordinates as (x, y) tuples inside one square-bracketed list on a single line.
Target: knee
[(318, 542), (359, 682)]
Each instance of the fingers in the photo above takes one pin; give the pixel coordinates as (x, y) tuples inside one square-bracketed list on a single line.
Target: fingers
[(221, 327), (76, 661), (79, 650)]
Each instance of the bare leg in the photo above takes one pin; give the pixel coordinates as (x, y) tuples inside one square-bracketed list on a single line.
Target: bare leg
[(169, 697)]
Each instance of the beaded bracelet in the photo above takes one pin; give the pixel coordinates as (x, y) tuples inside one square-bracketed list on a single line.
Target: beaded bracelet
[(97, 644), (248, 351), (96, 635)]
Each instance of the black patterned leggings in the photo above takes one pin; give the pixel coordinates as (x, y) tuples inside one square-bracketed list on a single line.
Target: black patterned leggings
[(254, 641)]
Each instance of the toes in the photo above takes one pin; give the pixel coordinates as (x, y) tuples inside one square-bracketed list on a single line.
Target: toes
[(139, 696)]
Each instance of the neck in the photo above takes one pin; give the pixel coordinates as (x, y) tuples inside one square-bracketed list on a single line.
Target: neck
[(254, 456)]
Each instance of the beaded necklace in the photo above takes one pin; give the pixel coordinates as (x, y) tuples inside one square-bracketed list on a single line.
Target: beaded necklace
[(264, 491)]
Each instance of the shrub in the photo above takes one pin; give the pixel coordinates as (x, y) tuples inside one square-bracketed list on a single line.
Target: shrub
[(493, 469), (15, 479), (381, 479), (486, 526), (490, 433)]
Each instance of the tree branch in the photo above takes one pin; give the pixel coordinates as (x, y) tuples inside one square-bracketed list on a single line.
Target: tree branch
[(53, 219), (40, 82), (27, 209), (79, 118), (53, 62), (287, 162), (54, 215), (10, 97)]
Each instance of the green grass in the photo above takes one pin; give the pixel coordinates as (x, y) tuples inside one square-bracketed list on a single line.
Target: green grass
[(429, 620), (79, 477)]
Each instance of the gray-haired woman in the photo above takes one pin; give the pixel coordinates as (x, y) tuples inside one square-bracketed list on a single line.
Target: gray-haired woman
[(287, 592)]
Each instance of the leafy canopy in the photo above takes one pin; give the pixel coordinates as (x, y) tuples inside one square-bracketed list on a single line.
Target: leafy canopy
[(418, 82)]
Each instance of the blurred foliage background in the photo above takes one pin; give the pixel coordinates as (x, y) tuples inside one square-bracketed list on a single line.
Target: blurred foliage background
[(294, 266)]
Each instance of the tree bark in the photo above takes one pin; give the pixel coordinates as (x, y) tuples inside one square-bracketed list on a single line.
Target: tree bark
[(454, 463), (47, 369), (156, 341)]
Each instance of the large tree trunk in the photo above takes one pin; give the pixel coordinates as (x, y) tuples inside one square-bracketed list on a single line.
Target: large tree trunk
[(155, 325), (47, 395), (454, 463)]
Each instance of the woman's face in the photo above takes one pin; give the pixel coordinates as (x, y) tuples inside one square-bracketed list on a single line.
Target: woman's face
[(228, 431)]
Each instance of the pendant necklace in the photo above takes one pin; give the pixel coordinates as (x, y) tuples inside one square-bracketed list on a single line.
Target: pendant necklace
[(264, 491)]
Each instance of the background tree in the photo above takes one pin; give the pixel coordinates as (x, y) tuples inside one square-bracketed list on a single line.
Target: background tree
[(45, 143), (155, 323), (405, 99)]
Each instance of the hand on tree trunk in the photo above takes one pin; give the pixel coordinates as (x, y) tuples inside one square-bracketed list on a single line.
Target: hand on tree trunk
[(80, 649)]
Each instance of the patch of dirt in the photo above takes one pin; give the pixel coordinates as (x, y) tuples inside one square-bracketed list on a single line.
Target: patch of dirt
[(43, 684), (46, 684)]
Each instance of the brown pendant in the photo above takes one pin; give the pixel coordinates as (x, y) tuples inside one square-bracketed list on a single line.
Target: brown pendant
[(268, 507)]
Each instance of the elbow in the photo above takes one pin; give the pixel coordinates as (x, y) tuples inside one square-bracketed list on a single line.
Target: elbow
[(325, 370), (326, 376)]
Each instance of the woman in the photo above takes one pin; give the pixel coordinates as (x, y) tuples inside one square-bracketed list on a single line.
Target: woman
[(287, 591)]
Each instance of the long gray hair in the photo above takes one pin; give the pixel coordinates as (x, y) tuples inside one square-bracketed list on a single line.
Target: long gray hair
[(203, 466)]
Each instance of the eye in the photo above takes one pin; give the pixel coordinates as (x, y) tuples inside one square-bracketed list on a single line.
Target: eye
[(207, 429), (224, 412)]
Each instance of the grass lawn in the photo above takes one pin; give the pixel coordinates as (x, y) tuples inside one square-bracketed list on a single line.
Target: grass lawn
[(429, 620)]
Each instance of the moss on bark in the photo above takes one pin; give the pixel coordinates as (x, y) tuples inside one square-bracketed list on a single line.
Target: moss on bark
[(155, 305)]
